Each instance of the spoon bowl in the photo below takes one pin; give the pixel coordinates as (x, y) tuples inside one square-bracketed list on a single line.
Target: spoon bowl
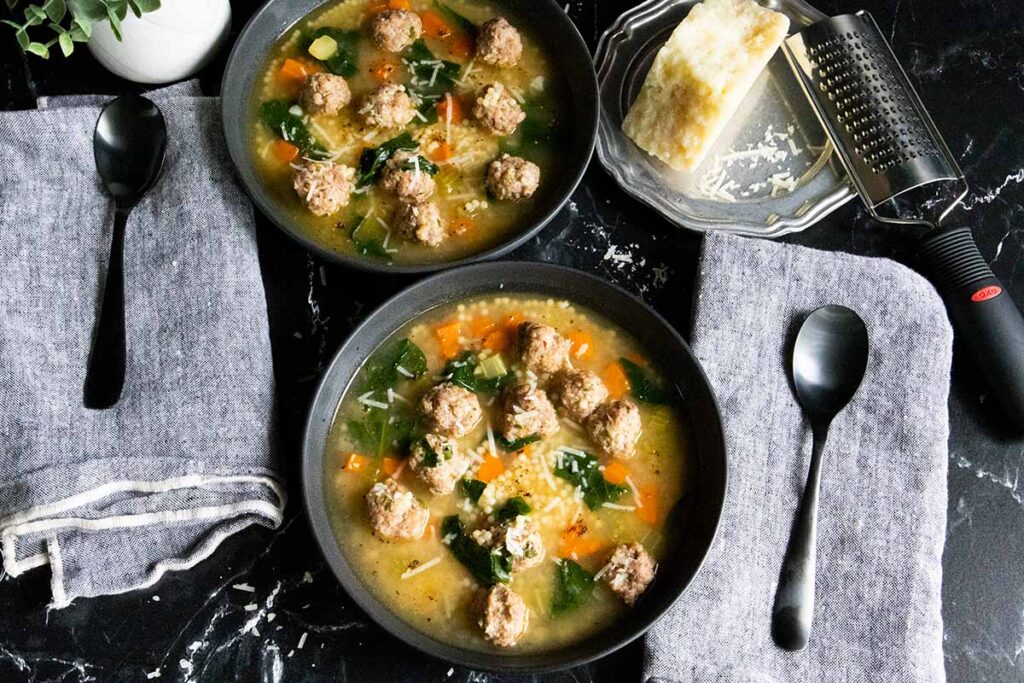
[(830, 357), (129, 145)]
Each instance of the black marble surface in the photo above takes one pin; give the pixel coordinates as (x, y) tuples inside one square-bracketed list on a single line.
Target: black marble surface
[(266, 608)]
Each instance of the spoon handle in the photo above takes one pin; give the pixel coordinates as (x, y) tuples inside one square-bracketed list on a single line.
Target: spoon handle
[(104, 377), (794, 599)]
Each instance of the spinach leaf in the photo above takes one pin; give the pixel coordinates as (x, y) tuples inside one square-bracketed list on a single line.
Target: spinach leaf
[(642, 385), (344, 62), (368, 238), (515, 444), (371, 161), (473, 488), (382, 432), (403, 359), (455, 19), (539, 130), (290, 127), (487, 566), (429, 78), (462, 372), (420, 162), (512, 508), (582, 472), (573, 585)]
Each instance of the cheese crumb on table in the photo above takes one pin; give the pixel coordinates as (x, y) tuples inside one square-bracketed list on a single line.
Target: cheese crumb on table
[(700, 76)]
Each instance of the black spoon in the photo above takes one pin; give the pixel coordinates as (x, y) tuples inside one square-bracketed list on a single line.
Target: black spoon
[(129, 145), (829, 359)]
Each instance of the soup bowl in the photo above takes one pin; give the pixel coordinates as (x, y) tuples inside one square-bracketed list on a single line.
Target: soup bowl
[(690, 526), (544, 20)]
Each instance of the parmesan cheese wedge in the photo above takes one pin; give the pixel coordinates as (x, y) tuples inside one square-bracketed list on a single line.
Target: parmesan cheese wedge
[(699, 78)]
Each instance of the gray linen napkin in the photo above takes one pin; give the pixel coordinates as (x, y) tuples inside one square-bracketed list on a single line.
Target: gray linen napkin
[(111, 500), (882, 514)]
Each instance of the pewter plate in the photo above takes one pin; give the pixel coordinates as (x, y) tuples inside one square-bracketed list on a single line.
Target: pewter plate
[(774, 133)]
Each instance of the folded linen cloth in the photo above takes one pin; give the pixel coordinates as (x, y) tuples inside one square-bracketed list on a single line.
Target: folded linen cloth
[(882, 514), (111, 500)]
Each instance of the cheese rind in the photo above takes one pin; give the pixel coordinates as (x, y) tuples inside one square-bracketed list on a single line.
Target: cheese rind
[(700, 76)]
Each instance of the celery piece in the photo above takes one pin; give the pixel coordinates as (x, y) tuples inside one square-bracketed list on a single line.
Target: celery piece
[(323, 48)]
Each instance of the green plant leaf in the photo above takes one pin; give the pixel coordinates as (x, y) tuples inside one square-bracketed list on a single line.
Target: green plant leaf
[(148, 5), (22, 37), (134, 7), (372, 160), (115, 24), (344, 62), (67, 46), (277, 116), (34, 15), (118, 8), (38, 49), (88, 10), (81, 30), (516, 444), (55, 9), (11, 4), (487, 566), (462, 372), (512, 508)]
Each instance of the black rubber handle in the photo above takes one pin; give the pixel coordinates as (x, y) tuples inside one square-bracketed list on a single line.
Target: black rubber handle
[(983, 313)]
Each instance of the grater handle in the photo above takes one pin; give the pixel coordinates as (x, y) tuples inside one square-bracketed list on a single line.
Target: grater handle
[(982, 311)]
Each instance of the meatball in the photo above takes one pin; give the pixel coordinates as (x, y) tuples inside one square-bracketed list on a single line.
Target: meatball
[(439, 463), (396, 29), (505, 616), (420, 223), (389, 106), (394, 512), (512, 178), (323, 186), (615, 427), (450, 410), (578, 393), (498, 43), (527, 411), (325, 94), (629, 571), (541, 348), (520, 538), (498, 111), (403, 176)]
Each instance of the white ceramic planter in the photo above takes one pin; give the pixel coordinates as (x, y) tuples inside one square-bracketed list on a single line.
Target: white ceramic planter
[(167, 45)]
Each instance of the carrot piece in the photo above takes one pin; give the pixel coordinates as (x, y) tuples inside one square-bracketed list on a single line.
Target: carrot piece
[(452, 104), (527, 450), (647, 511), (460, 224), (389, 466), (497, 341), (460, 45), (400, 4), (293, 71), (354, 463), (582, 345), (615, 380), (481, 326), (638, 359), (578, 546), (434, 26), (442, 153), (490, 468), (448, 336), (284, 151), (615, 473)]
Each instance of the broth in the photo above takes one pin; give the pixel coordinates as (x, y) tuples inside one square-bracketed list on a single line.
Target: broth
[(461, 149), (421, 580)]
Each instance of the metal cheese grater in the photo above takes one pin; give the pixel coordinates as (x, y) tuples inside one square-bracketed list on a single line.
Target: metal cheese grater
[(894, 155)]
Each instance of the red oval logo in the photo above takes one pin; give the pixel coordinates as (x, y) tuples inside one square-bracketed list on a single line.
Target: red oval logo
[(986, 293)]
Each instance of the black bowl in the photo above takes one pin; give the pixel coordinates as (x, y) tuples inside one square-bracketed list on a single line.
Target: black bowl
[(691, 525), (545, 19)]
